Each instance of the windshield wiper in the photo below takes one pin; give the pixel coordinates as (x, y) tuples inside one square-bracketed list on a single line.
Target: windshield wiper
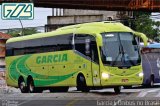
[(113, 63), (124, 57)]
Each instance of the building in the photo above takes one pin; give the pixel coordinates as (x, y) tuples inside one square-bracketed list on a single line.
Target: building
[(63, 17), (3, 39)]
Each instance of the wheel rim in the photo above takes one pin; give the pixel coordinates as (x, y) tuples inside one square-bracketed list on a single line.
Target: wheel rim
[(82, 82), (22, 86), (152, 83), (81, 79), (31, 86)]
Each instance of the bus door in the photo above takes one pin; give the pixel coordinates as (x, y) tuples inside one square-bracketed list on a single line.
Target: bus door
[(95, 63), (86, 46)]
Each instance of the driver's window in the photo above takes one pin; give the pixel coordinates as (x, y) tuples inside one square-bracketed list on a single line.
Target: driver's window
[(86, 44)]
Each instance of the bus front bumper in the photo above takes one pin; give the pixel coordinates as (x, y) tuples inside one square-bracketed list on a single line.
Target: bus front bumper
[(121, 81)]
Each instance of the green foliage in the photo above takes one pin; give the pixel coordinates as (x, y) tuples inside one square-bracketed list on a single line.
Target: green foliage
[(19, 32), (157, 27), (143, 23)]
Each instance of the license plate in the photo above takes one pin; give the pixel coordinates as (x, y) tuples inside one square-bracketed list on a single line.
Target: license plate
[(125, 80)]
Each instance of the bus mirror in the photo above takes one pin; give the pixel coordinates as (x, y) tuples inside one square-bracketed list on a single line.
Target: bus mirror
[(142, 36), (99, 40)]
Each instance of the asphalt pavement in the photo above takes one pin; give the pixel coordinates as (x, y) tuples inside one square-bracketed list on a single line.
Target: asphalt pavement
[(137, 96)]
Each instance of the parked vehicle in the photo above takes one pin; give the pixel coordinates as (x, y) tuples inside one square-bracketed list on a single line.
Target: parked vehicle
[(151, 64)]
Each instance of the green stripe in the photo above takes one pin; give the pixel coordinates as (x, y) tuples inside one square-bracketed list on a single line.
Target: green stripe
[(19, 67)]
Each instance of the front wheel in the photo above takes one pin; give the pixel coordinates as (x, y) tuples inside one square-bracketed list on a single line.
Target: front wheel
[(81, 84), (117, 89)]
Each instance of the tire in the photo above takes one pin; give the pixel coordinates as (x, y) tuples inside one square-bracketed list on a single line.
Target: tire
[(81, 84), (151, 82), (59, 89), (22, 85), (31, 87), (117, 89)]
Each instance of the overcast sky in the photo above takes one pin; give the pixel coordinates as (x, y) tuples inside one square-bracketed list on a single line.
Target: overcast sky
[(40, 19), (156, 16)]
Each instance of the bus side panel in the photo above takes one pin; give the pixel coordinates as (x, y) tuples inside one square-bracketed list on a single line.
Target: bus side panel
[(12, 71), (57, 68), (49, 69), (155, 56), (146, 69)]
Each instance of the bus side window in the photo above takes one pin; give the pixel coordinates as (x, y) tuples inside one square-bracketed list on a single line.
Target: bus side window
[(94, 52), (9, 52), (80, 43), (86, 44)]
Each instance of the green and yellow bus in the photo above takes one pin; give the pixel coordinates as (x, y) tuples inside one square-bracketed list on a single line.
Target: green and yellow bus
[(87, 56)]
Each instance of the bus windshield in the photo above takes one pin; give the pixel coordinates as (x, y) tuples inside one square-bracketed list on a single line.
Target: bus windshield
[(120, 49)]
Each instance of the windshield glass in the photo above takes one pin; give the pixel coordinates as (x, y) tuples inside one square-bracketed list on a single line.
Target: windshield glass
[(120, 49)]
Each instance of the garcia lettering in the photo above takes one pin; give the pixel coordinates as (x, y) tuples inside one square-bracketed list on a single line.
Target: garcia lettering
[(52, 58)]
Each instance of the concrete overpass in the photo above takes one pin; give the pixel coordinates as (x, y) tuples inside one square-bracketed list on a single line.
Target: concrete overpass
[(115, 5)]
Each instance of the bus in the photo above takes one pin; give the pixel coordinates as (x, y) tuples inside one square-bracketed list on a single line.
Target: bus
[(87, 56), (151, 64)]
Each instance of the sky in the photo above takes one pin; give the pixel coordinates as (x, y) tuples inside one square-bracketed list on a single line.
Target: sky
[(156, 16), (40, 19)]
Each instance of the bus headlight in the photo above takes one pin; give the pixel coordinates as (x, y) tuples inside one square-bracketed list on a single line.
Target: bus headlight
[(140, 74), (105, 75)]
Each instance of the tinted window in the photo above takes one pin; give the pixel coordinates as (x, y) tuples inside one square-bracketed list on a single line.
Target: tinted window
[(120, 49), (86, 44), (40, 45)]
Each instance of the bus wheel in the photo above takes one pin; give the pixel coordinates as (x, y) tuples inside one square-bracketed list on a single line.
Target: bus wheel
[(59, 89), (81, 84), (117, 89), (32, 88), (22, 85), (151, 83)]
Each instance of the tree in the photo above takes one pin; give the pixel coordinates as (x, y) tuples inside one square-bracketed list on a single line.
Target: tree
[(157, 27), (143, 23), (157, 30), (19, 32)]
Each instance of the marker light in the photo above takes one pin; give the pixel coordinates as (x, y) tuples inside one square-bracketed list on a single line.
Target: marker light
[(105, 75), (140, 74)]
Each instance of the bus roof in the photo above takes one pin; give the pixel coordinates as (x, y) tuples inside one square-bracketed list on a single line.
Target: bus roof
[(86, 28)]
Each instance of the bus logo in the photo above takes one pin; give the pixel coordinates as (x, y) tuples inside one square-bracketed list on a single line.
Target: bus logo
[(16, 11)]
